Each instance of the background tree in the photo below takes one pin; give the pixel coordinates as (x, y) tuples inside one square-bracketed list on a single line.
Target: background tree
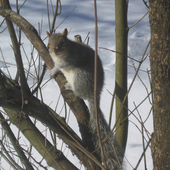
[(160, 68), (121, 71)]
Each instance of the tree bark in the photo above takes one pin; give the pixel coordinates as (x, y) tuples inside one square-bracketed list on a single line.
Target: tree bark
[(15, 144), (121, 72), (160, 70), (11, 101)]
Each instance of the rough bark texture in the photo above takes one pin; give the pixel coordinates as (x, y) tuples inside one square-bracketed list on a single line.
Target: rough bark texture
[(160, 68)]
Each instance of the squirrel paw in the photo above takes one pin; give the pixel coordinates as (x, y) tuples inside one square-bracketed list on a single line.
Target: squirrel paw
[(51, 75), (67, 86), (53, 72)]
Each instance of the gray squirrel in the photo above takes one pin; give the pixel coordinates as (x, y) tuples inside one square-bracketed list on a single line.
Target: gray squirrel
[(76, 62)]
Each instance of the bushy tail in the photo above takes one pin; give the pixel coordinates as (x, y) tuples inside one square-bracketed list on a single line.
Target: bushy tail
[(112, 151)]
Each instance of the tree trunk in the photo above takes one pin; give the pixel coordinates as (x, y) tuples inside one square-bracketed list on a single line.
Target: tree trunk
[(160, 69), (121, 72)]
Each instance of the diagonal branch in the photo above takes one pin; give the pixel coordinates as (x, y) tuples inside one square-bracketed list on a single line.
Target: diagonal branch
[(11, 101), (17, 53), (77, 105), (15, 144)]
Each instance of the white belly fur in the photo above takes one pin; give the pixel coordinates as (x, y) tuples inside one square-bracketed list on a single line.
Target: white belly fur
[(68, 71), (69, 74)]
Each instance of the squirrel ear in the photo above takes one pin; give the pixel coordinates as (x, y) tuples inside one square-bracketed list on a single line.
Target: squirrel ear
[(48, 34), (65, 32)]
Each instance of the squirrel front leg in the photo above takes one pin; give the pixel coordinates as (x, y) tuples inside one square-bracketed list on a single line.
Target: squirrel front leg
[(58, 65), (54, 71)]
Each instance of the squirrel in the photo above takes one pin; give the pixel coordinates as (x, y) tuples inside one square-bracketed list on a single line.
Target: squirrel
[(76, 61)]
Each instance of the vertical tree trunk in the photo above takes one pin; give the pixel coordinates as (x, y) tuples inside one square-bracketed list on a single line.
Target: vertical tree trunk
[(160, 69), (121, 71)]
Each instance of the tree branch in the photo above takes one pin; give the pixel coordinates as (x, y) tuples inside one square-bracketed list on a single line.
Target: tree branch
[(11, 101), (15, 144), (16, 48), (77, 105)]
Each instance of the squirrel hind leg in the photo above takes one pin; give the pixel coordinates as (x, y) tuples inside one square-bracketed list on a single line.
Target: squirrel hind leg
[(83, 88), (82, 93)]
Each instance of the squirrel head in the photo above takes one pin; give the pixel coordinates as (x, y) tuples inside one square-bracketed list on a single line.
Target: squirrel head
[(58, 42)]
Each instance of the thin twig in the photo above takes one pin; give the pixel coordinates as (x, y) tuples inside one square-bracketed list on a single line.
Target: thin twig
[(139, 20), (141, 81), (40, 79), (143, 142), (143, 154), (145, 4), (12, 161), (131, 112), (142, 59), (16, 46), (95, 88), (86, 38), (111, 107), (5, 63), (58, 3), (119, 53), (66, 17), (48, 14)]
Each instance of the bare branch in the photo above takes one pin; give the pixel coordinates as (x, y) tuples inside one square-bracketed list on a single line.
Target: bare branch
[(95, 88), (14, 142), (16, 48), (139, 20)]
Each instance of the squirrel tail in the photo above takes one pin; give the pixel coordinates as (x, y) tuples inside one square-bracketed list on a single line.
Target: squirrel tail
[(112, 151)]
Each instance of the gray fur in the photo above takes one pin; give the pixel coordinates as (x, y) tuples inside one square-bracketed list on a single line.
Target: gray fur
[(76, 61)]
